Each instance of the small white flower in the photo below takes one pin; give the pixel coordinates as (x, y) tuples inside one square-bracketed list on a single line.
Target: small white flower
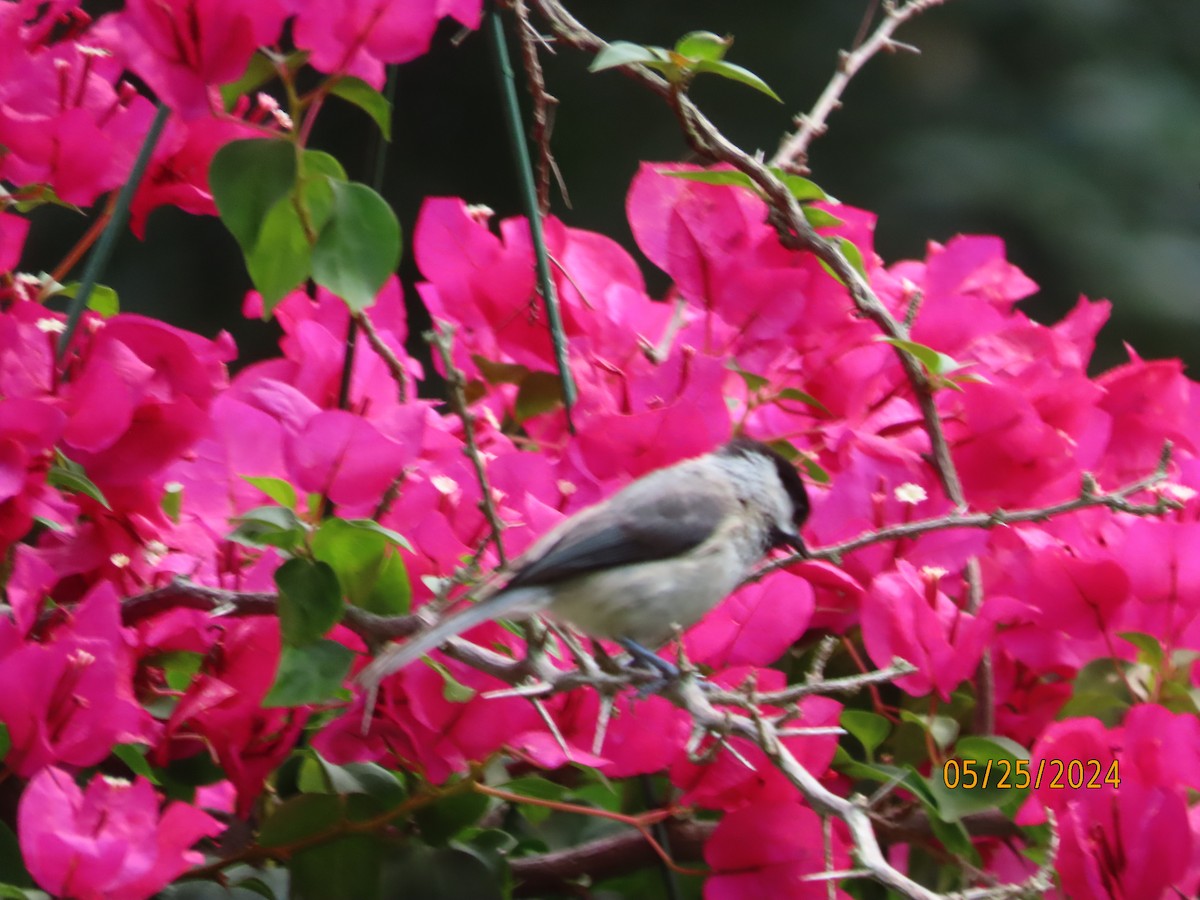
[(1173, 491), (120, 560), (566, 487), (155, 552), (80, 658), (51, 326), (444, 484), (911, 493), (173, 487)]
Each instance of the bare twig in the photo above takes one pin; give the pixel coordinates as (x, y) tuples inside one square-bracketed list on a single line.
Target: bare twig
[(441, 341), (543, 103), (395, 366), (1117, 501), (613, 854), (792, 154), (183, 594)]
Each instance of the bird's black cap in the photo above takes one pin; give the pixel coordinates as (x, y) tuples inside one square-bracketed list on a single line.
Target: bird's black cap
[(788, 476)]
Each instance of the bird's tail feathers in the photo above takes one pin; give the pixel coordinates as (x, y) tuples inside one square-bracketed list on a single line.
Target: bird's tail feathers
[(507, 604)]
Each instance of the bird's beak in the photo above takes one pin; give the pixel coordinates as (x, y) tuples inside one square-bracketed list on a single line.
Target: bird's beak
[(791, 539)]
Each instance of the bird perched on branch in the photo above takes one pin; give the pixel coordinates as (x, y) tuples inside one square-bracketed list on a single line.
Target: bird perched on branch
[(656, 555)]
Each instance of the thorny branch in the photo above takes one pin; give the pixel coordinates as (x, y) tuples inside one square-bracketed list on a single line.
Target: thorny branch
[(792, 154), (441, 342), (544, 103), (1117, 501), (390, 359)]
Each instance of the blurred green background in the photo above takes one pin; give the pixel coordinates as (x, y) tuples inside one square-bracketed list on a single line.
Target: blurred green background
[(1069, 128)]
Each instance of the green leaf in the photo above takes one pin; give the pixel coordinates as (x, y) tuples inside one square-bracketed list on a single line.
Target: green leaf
[(102, 300), (359, 247), (993, 765), (1150, 650), (5, 741), (248, 178), (955, 838), (172, 500), (942, 729), (536, 788), (623, 53), (10, 892), (443, 819), (310, 600), (345, 868), (375, 528), (417, 872), (254, 886), (369, 569), (313, 673), (735, 73), (815, 471), (712, 176), (364, 778), (498, 372), (853, 255), (819, 218), (870, 728), (301, 817), (183, 775), (800, 396), (68, 475), (134, 757), (317, 162), (12, 864), (269, 526), (260, 70), (267, 206), (369, 100), (33, 195), (800, 187), (754, 383), (880, 773), (320, 171), (539, 393), (1179, 698), (276, 488), (1101, 689), (453, 690), (280, 259), (703, 45), (179, 667), (934, 363)]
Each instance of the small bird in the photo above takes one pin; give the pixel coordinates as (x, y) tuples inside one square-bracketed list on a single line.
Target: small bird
[(656, 555)]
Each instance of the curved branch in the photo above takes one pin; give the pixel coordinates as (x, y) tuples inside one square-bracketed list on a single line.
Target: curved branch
[(792, 154)]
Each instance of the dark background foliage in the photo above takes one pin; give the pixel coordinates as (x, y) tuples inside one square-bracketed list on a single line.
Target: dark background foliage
[(1071, 129)]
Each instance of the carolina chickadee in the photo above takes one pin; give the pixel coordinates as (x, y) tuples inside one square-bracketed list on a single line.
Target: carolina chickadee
[(659, 553)]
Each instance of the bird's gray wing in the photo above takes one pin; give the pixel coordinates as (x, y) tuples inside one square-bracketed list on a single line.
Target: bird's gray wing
[(639, 525)]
